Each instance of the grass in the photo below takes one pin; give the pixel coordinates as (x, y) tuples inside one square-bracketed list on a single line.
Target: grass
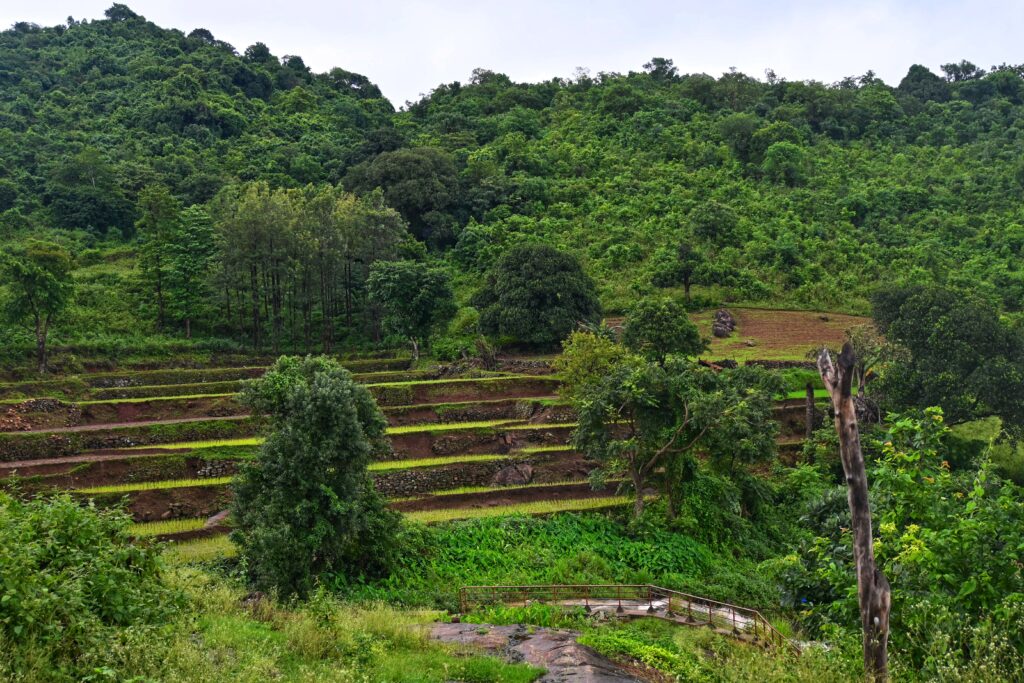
[(556, 448), (201, 550), (197, 445), (407, 429), (388, 465), (218, 547), (485, 489), (464, 380), (223, 637), (542, 507), (545, 400), (818, 393), (451, 426), (543, 425), (151, 398), (155, 485), (167, 526)]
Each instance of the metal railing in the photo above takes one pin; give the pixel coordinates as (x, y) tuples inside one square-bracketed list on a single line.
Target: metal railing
[(635, 600)]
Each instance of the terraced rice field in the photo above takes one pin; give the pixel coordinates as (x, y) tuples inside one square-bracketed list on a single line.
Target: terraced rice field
[(168, 526), (166, 443)]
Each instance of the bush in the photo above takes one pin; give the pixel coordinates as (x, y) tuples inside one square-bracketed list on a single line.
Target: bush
[(72, 585), (307, 507)]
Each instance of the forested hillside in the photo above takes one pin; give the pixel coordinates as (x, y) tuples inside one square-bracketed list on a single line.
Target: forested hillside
[(777, 192), (93, 112)]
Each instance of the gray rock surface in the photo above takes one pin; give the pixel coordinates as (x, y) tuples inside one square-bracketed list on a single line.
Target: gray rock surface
[(556, 650), (513, 475), (723, 323)]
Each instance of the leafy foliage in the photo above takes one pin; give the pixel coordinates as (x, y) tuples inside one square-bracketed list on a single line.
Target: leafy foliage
[(39, 289), (948, 539), (958, 354), (414, 298), (307, 506), (642, 419), (536, 295), (657, 328), (74, 586)]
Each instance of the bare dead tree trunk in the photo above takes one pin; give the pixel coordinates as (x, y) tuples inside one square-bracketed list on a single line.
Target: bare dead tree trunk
[(872, 587)]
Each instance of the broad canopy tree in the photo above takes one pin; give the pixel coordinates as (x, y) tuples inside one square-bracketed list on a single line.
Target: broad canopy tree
[(957, 354), (536, 295), (39, 289), (651, 422), (414, 297)]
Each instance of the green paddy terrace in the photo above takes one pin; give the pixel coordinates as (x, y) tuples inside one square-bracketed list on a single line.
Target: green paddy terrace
[(165, 442)]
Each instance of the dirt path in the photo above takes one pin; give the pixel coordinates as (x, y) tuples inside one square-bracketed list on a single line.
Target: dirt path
[(552, 649), (117, 425), (90, 457)]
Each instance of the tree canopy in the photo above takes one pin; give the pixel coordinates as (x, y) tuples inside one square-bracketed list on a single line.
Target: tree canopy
[(536, 295), (957, 353)]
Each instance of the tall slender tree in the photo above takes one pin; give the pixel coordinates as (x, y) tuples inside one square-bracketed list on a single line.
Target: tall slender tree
[(156, 227), (39, 289), (191, 252)]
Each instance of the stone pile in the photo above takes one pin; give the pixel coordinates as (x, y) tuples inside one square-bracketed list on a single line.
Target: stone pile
[(723, 323)]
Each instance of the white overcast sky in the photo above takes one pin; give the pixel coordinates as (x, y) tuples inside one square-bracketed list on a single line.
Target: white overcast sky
[(408, 47)]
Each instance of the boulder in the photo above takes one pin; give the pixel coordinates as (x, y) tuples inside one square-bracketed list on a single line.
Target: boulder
[(513, 475), (723, 323)]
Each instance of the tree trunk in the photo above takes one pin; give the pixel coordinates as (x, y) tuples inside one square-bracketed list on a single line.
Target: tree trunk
[(41, 330), (159, 296), (253, 283), (638, 492), (188, 328), (809, 412), (872, 587), (686, 289), (415, 349)]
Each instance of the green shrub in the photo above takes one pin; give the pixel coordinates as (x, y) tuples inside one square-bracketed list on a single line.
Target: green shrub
[(72, 585)]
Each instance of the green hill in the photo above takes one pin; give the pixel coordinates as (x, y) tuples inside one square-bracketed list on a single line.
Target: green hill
[(786, 193)]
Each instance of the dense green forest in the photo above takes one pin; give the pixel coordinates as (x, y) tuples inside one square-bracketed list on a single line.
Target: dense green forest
[(784, 193)]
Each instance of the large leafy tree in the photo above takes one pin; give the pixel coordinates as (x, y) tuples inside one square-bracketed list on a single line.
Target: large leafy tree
[(307, 507), (421, 183), (84, 194), (414, 297), (649, 422), (954, 352), (536, 295), (39, 289)]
